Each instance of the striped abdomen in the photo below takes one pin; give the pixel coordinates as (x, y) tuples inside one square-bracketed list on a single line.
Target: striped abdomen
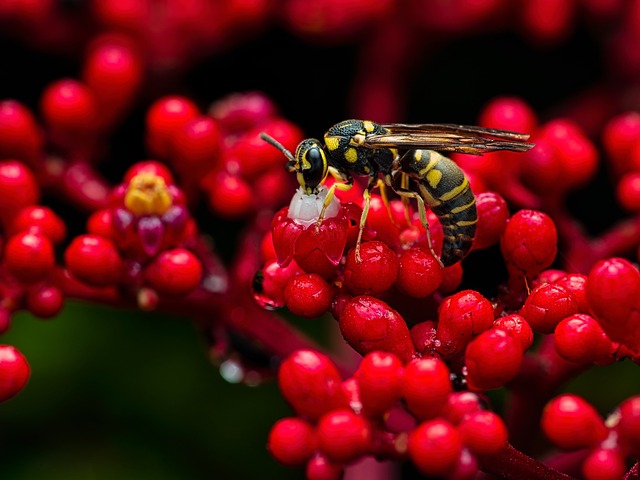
[(445, 188)]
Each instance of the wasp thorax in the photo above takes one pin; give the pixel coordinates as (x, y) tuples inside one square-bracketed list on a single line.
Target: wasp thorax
[(311, 164)]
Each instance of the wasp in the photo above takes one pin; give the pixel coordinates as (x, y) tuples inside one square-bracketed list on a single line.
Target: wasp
[(406, 158)]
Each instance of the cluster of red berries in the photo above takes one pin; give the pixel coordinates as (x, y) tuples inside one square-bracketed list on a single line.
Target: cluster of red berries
[(393, 299), (343, 420)]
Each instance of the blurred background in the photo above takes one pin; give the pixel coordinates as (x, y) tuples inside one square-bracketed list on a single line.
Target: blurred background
[(128, 395)]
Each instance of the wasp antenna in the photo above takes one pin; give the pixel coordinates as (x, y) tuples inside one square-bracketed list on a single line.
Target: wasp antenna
[(272, 141)]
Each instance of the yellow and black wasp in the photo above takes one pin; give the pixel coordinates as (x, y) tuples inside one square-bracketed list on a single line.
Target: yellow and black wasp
[(406, 158)]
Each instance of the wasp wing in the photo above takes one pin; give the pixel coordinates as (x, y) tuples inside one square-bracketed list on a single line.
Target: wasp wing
[(448, 138)]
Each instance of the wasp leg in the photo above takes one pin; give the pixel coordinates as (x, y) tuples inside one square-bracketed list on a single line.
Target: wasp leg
[(373, 182), (343, 183), (422, 211)]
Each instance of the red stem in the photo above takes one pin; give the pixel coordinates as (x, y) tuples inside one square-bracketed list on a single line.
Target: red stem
[(513, 464)]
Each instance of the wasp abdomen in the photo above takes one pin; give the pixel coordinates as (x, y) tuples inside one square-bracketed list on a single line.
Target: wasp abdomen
[(445, 188)]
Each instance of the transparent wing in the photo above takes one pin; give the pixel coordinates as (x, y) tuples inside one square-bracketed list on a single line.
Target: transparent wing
[(448, 138)]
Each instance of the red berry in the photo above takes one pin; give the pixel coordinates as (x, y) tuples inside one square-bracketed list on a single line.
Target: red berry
[(460, 317), (516, 326), (508, 113), (461, 404), (113, 71), (576, 283), (369, 324), (20, 136), (151, 167), (69, 108), (380, 377), (270, 282), (321, 468), (423, 335), (45, 301), (419, 273), (492, 359), (43, 220), (99, 223), (165, 118), (483, 432), (291, 441), (434, 447), (451, 278), (571, 423), (94, 260), (196, 148), (493, 214), (29, 256), (343, 436), (604, 464), (619, 137), (174, 272), (579, 338), (308, 295), (547, 305), (426, 387), (242, 111), (18, 186), (374, 272), (548, 20), (230, 196), (310, 382), (613, 291), (628, 427), (529, 242), (628, 191), (14, 372)]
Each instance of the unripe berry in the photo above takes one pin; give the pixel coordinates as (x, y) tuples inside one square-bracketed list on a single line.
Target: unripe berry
[(571, 423), (308, 295), (14, 372), (29, 256), (547, 305), (434, 447), (483, 432), (94, 260), (310, 382), (460, 317), (174, 272), (380, 379), (419, 273), (369, 324), (374, 273), (291, 441), (492, 359), (426, 387), (343, 436), (529, 242)]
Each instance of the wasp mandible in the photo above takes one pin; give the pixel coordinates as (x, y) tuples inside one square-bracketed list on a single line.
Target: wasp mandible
[(406, 158)]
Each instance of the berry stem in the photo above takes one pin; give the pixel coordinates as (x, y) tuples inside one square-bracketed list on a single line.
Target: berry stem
[(547, 371), (510, 463), (634, 473)]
